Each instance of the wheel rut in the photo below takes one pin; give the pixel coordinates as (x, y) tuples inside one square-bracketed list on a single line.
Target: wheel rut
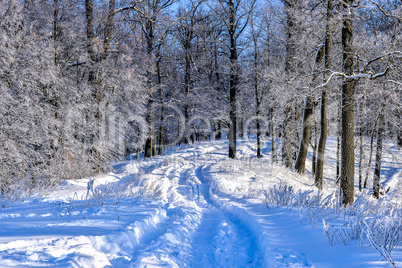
[(198, 233)]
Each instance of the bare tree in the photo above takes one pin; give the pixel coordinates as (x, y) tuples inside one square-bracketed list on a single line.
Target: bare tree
[(307, 117), (324, 96), (235, 17), (185, 33)]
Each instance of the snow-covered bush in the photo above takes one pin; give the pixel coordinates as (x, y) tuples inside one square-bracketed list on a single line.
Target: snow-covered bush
[(135, 190), (278, 196), (377, 223), (110, 195), (384, 234)]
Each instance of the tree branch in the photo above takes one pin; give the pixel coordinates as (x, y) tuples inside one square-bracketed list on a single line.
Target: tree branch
[(381, 9)]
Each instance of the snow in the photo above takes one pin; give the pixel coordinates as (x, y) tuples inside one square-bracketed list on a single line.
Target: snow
[(192, 207)]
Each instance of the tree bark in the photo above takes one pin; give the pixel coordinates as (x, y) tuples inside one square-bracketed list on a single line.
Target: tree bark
[(338, 141), (377, 170), (219, 131), (148, 140), (256, 93), (187, 78), (348, 94), (319, 171), (308, 114), (96, 94), (233, 80), (306, 135), (109, 27), (154, 139), (273, 149), (360, 145), (371, 152), (287, 143), (315, 128), (90, 36), (161, 129), (149, 27), (162, 119), (56, 30), (241, 127)]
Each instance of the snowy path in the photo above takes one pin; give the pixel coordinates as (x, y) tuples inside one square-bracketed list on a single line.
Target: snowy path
[(227, 234), (199, 234), (206, 216)]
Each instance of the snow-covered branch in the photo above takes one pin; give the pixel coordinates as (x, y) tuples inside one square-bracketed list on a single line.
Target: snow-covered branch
[(382, 10), (395, 82), (369, 75)]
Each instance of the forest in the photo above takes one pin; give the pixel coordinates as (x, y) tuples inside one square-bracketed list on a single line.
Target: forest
[(84, 83)]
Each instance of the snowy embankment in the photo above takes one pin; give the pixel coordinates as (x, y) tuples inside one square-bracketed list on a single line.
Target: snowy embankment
[(190, 208)]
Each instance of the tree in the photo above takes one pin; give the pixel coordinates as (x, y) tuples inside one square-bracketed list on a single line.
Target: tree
[(233, 80), (185, 32), (380, 137), (351, 76), (348, 91), (290, 112), (150, 15), (233, 18), (257, 92), (319, 172), (307, 117)]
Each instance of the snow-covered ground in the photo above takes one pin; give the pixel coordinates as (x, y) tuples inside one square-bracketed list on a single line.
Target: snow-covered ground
[(192, 207)]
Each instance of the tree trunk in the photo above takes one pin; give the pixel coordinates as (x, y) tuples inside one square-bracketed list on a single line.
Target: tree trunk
[(308, 113), (371, 152), (162, 121), (241, 127), (148, 141), (125, 150), (90, 28), (273, 149), (153, 126), (150, 118), (161, 129), (219, 131), (319, 171), (148, 149), (233, 79), (96, 94), (91, 37), (338, 142), (56, 32), (306, 135), (153, 111), (287, 142), (56, 102), (377, 170), (258, 138), (348, 95), (109, 27), (315, 128), (360, 144), (257, 97), (187, 93)]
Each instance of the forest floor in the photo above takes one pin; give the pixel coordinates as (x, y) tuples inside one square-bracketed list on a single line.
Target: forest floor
[(192, 207)]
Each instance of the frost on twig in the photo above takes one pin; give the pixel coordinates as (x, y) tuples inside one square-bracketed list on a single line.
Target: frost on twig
[(384, 234)]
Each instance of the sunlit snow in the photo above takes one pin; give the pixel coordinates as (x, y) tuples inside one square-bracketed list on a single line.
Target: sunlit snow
[(208, 212)]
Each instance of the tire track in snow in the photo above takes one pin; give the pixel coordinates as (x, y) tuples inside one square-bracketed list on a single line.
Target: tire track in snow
[(198, 233), (221, 239), (182, 217)]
